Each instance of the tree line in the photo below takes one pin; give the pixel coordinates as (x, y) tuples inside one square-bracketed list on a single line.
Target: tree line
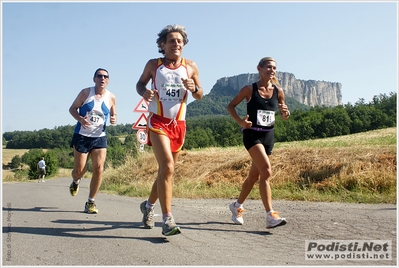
[(212, 131), (313, 123)]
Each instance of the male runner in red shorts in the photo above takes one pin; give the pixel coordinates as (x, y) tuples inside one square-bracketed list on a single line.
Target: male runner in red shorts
[(173, 78)]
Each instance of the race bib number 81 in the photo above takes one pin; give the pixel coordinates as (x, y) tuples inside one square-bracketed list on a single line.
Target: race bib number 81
[(265, 118)]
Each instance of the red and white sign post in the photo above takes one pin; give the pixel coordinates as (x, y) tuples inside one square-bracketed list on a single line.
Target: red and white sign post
[(141, 123), (142, 136)]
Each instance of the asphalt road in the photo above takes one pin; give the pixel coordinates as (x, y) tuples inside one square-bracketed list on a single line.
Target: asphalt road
[(44, 226)]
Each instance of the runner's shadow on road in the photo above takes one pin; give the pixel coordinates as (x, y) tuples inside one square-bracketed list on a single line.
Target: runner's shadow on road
[(38, 209), (187, 224), (113, 224), (42, 209), (385, 209), (116, 225), (85, 232)]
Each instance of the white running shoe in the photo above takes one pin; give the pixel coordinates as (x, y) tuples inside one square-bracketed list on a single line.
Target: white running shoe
[(169, 227), (274, 220), (236, 214), (148, 215)]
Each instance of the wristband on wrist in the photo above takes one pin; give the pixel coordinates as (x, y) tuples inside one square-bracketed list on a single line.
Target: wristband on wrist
[(196, 89)]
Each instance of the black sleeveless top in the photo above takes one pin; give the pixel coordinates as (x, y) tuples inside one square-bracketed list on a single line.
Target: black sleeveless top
[(258, 103)]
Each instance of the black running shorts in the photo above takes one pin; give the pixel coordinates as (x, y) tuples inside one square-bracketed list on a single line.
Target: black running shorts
[(85, 144), (253, 137)]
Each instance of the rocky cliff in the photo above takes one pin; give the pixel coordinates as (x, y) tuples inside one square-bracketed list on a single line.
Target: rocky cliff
[(311, 92)]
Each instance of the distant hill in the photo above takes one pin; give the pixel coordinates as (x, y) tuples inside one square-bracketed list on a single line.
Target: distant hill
[(299, 94), (215, 104)]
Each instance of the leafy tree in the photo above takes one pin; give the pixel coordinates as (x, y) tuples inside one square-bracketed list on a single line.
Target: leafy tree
[(336, 122), (65, 157), (361, 117), (52, 162), (131, 145), (31, 158), (115, 156), (117, 151), (292, 133), (33, 155), (119, 130), (16, 162), (199, 138), (130, 141)]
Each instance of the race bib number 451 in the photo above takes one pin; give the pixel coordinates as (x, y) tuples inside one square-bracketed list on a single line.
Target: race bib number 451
[(173, 93), (170, 88), (265, 118)]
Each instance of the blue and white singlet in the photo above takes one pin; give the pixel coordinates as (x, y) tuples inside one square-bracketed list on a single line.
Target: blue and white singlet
[(97, 111)]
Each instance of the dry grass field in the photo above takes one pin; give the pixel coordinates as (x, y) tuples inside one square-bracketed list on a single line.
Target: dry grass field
[(8, 154), (354, 168)]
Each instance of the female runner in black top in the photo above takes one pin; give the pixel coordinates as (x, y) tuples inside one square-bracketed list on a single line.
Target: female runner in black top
[(263, 98)]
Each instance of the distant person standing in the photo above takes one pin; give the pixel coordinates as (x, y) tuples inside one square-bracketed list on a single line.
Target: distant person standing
[(91, 108), (41, 167), (263, 98), (173, 79)]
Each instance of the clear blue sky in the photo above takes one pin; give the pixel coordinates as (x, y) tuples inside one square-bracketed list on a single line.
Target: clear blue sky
[(51, 50)]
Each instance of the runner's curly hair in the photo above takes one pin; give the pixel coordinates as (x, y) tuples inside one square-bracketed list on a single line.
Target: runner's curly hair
[(170, 29)]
